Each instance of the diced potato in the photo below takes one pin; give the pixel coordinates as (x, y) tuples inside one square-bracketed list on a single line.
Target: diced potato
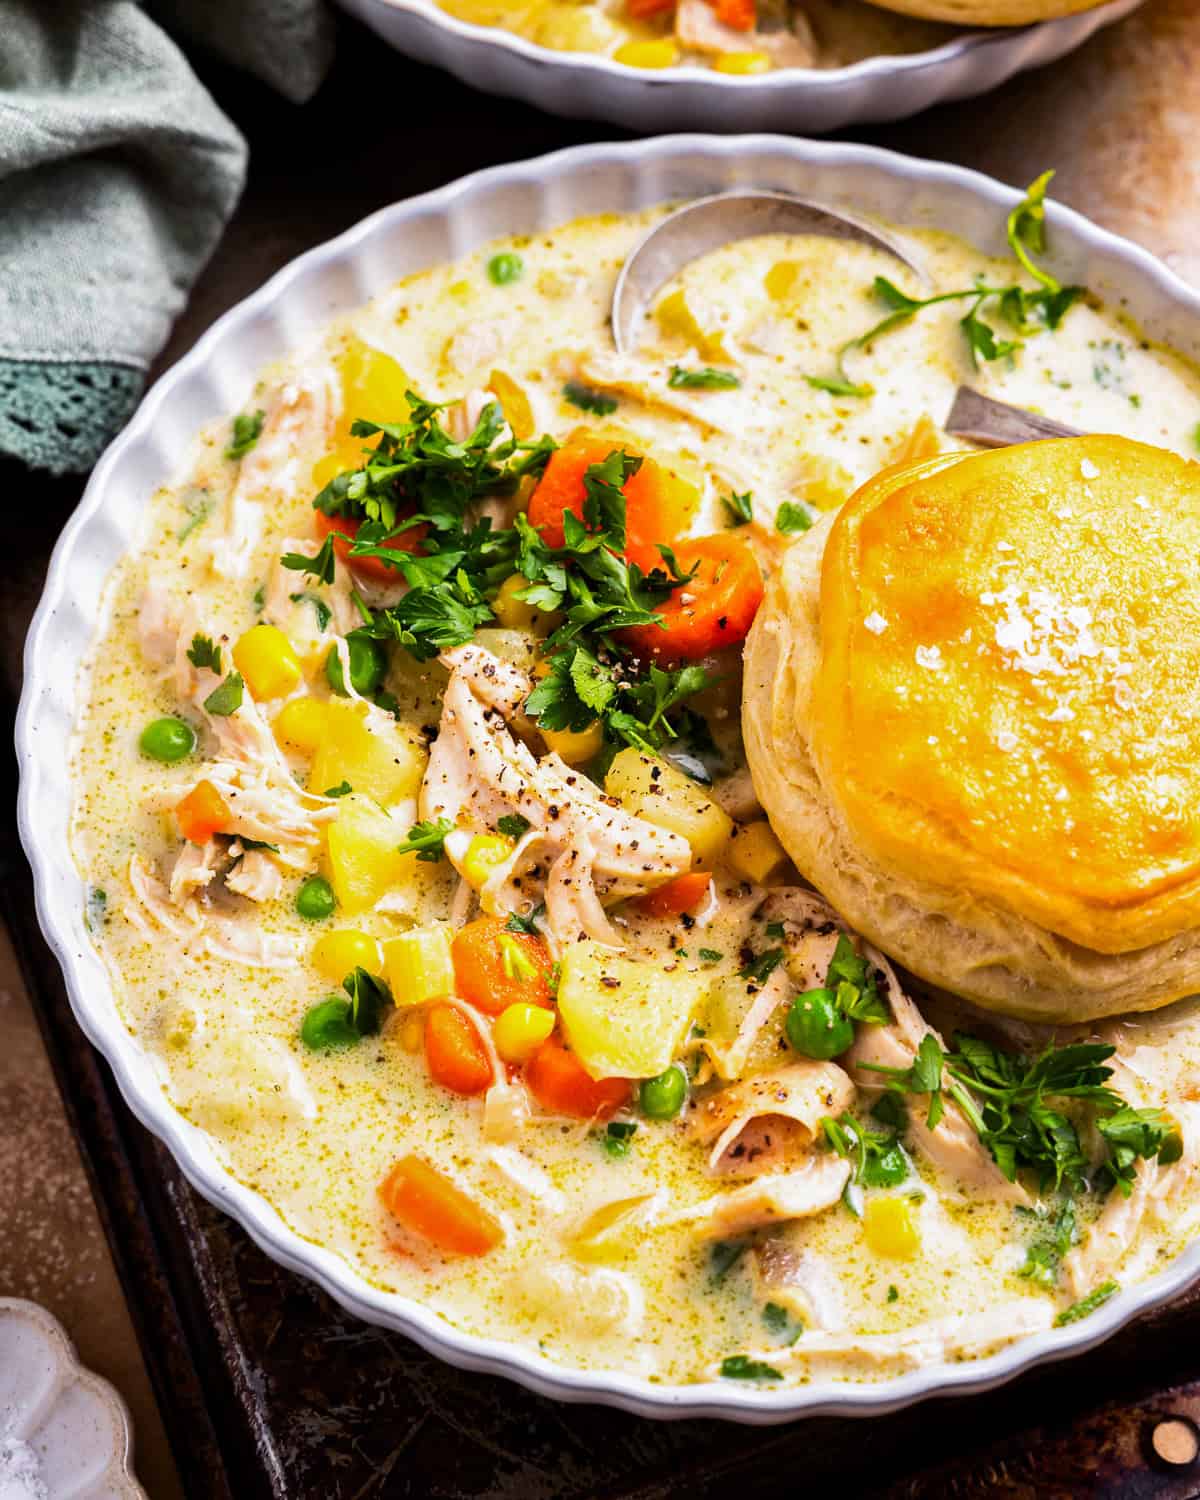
[(363, 862), (419, 965), (660, 53), (890, 1227), (510, 644), (385, 762), (612, 1231), (755, 853), (623, 1019), (575, 747), (676, 316), (664, 796)]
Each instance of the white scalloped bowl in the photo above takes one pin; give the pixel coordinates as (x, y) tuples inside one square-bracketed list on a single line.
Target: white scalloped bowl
[(587, 85), (216, 377), (74, 1423)]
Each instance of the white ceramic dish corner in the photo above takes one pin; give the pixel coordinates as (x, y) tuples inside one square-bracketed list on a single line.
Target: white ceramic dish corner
[(214, 379), (586, 85), (73, 1426)]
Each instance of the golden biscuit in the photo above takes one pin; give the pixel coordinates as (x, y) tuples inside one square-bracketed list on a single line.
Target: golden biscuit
[(971, 713), (989, 12)]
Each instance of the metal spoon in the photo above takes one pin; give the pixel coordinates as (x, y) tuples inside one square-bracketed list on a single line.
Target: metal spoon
[(709, 223), (995, 424)]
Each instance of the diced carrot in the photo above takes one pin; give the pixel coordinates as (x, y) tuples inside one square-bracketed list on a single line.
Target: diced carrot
[(495, 968), (922, 442), (640, 9), (345, 529), (429, 1204), (202, 813), (657, 501), (457, 1058), (684, 893), (560, 1083), (742, 15), (713, 610)]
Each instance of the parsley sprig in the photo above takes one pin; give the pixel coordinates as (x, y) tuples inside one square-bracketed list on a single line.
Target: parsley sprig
[(1026, 311)]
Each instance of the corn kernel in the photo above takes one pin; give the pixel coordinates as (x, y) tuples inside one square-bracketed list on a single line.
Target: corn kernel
[(743, 63), (515, 613), (755, 853), (890, 1228), (419, 965), (336, 954), (661, 53), (485, 853), (302, 723), (574, 748), (520, 1030), (266, 660)]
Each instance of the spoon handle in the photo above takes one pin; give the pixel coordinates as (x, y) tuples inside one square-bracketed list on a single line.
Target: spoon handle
[(995, 424)]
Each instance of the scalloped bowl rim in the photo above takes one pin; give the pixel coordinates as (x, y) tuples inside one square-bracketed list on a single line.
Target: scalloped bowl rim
[(60, 911), (817, 81)]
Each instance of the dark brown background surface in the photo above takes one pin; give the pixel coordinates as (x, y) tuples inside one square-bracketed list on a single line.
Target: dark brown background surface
[(264, 1389)]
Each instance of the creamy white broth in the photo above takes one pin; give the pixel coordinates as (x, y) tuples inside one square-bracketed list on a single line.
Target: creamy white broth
[(316, 1132)]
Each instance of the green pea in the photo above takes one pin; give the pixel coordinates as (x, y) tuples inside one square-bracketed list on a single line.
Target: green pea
[(505, 268), (168, 740), (327, 1026), (368, 663), (315, 899), (662, 1098), (817, 1026)]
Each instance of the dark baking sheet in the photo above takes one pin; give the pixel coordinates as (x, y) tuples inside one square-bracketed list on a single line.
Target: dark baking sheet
[(268, 1391)]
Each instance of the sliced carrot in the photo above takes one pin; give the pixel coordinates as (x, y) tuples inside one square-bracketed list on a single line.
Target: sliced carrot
[(495, 968), (684, 893), (713, 610), (742, 15), (657, 501), (560, 1083), (345, 529), (922, 442), (640, 9), (428, 1203), (202, 813), (457, 1058)]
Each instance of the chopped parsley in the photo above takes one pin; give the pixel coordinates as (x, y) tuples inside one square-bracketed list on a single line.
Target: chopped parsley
[(723, 1255), (320, 565), (513, 825), (779, 1321), (618, 1138), (199, 506), (710, 955), (227, 698), (739, 508), (790, 519), (96, 909), (1087, 1305), (759, 968), (877, 1156), (427, 840), (586, 399), (343, 789), (742, 1367), (1025, 312), (322, 611), (1047, 1250), (204, 653), (893, 1294), (369, 998), (706, 378), (518, 923), (247, 429)]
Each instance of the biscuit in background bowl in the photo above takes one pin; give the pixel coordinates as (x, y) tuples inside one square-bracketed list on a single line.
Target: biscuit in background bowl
[(971, 714), (989, 12)]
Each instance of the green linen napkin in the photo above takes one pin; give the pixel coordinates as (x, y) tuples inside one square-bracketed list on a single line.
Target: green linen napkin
[(117, 175)]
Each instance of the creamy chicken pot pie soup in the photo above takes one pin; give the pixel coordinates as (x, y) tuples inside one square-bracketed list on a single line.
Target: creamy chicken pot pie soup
[(738, 37), (411, 794)]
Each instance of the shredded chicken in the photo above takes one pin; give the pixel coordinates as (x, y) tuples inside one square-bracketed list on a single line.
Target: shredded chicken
[(479, 771), (288, 603), (799, 1194), (254, 876), (477, 345), (265, 809), (228, 937), (698, 29), (298, 422), (765, 1122), (736, 795), (794, 1276), (193, 870), (640, 380), (964, 1336), (157, 626), (153, 899), (952, 1144), (526, 1175)]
